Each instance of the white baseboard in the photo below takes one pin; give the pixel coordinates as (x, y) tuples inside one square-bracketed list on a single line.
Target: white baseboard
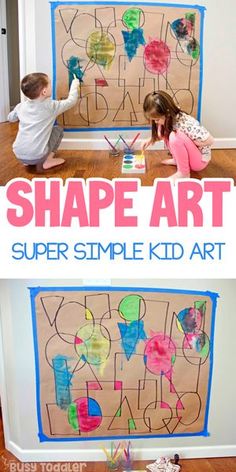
[(97, 455), (99, 144)]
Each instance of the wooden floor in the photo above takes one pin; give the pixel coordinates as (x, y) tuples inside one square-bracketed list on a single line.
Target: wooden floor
[(85, 164), (194, 465)]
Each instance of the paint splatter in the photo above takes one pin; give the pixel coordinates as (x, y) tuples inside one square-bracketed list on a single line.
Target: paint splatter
[(157, 56), (92, 347), (182, 28), (193, 48), (133, 39), (190, 320), (131, 18), (74, 68), (159, 354), (101, 49)]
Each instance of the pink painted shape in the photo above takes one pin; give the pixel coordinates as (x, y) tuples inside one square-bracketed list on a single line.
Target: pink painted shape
[(157, 56), (118, 385), (165, 405), (179, 405), (94, 386), (78, 340), (158, 354), (86, 423)]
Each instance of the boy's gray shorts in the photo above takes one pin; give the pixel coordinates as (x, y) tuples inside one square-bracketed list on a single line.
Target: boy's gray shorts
[(53, 144)]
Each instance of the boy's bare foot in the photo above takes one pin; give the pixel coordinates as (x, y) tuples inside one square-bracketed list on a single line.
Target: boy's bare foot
[(50, 163), (169, 162)]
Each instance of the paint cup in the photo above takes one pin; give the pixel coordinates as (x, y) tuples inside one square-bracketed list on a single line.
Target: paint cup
[(112, 465), (114, 153)]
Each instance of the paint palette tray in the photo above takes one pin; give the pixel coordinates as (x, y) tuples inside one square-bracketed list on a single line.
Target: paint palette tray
[(133, 164)]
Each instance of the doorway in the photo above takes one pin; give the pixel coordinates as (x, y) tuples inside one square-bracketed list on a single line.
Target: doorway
[(9, 57)]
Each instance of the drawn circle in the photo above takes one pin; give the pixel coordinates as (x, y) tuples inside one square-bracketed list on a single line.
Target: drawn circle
[(56, 345), (188, 408), (132, 307), (91, 345), (156, 56), (155, 413), (87, 414), (127, 166), (185, 99), (159, 354), (93, 105), (110, 326), (69, 317), (129, 17), (101, 48), (139, 166), (128, 162), (116, 32), (196, 343), (77, 28), (128, 156)]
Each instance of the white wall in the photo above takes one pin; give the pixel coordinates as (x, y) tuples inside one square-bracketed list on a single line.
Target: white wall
[(219, 95), (18, 379)]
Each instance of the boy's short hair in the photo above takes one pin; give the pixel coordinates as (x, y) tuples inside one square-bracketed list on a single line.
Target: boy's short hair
[(33, 84)]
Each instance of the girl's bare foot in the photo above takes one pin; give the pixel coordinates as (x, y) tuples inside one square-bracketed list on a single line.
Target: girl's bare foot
[(178, 175), (169, 162)]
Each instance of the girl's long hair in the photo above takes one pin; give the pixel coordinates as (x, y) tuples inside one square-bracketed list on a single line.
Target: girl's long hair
[(157, 104)]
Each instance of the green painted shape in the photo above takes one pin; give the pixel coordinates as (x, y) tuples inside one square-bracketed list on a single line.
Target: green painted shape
[(173, 359), (118, 413), (191, 17), (132, 424), (205, 350), (127, 166), (72, 417), (131, 18), (201, 306), (196, 52), (129, 307)]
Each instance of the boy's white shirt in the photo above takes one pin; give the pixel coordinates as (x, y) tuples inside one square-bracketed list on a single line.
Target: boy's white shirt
[(36, 119)]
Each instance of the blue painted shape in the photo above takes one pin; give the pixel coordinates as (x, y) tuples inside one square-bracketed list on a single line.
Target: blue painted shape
[(74, 68), (62, 378), (133, 39), (94, 408), (128, 156), (130, 336)]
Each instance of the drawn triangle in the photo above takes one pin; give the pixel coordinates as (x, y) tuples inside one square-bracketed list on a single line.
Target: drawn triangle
[(123, 417), (126, 107), (67, 17), (51, 306), (172, 424)]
